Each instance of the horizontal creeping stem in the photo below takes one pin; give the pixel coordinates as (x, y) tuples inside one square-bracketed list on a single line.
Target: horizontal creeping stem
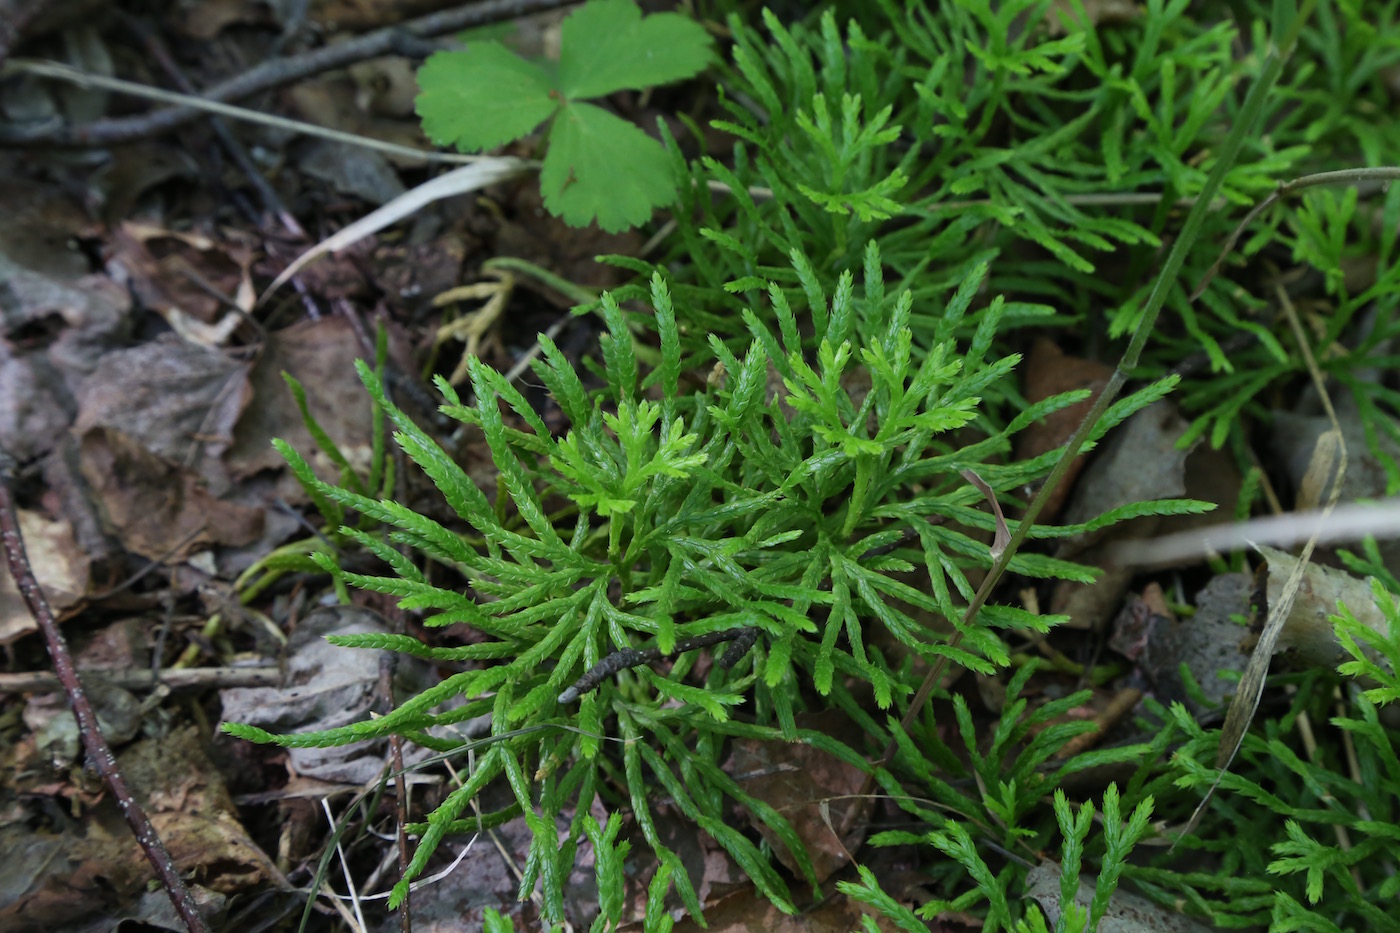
[(743, 639)]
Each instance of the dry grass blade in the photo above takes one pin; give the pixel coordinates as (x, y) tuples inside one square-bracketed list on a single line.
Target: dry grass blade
[(1380, 176), (1003, 534), (1350, 522), (458, 181), (1329, 462)]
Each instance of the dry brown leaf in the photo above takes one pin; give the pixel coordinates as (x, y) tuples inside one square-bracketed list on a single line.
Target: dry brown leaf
[(1049, 371), (177, 400), (811, 790), (60, 565), (1127, 912), (158, 510), (321, 355), (329, 687)]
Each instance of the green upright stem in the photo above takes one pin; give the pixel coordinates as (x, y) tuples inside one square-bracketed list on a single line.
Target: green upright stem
[(1166, 279)]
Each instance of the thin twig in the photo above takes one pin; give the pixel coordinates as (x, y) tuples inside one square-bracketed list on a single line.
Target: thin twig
[(61, 72), (97, 748), (1348, 176), (627, 658), (399, 39), (188, 678), (271, 201)]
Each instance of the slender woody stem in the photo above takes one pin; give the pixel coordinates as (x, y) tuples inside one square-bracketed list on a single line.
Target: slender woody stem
[(97, 748)]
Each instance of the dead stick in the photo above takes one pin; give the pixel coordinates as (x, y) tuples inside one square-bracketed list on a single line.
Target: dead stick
[(97, 748), (192, 678), (401, 39)]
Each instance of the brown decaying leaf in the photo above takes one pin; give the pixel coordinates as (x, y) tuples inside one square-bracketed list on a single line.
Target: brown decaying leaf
[(321, 356), (152, 506), (60, 565), (1049, 371), (197, 283), (189, 807), (174, 399), (329, 687), (1127, 912), (796, 779)]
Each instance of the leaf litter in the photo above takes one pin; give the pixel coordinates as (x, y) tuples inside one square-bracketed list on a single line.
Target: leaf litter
[(172, 442)]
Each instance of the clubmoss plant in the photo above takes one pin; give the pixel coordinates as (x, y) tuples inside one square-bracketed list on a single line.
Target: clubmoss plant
[(953, 134), (804, 514), (776, 449)]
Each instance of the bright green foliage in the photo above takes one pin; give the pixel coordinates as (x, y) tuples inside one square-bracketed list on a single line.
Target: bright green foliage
[(1343, 876), (990, 889), (818, 515), (303, 556), (1376, 656), (952, 137), (950, 154), (597, 165)]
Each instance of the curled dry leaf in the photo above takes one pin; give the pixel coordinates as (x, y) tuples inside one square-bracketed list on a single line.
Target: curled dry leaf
[(329, 687), (1127, 912), (1307, 630), (60, 565), (1003, 534)]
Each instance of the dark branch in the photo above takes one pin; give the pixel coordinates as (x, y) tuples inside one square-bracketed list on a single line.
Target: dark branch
[(627, 658), (97, 748), (406, 39)]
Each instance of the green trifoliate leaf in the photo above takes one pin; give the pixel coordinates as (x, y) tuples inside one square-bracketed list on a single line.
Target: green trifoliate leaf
[(607, 45), (482, 96), (601, 167)]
